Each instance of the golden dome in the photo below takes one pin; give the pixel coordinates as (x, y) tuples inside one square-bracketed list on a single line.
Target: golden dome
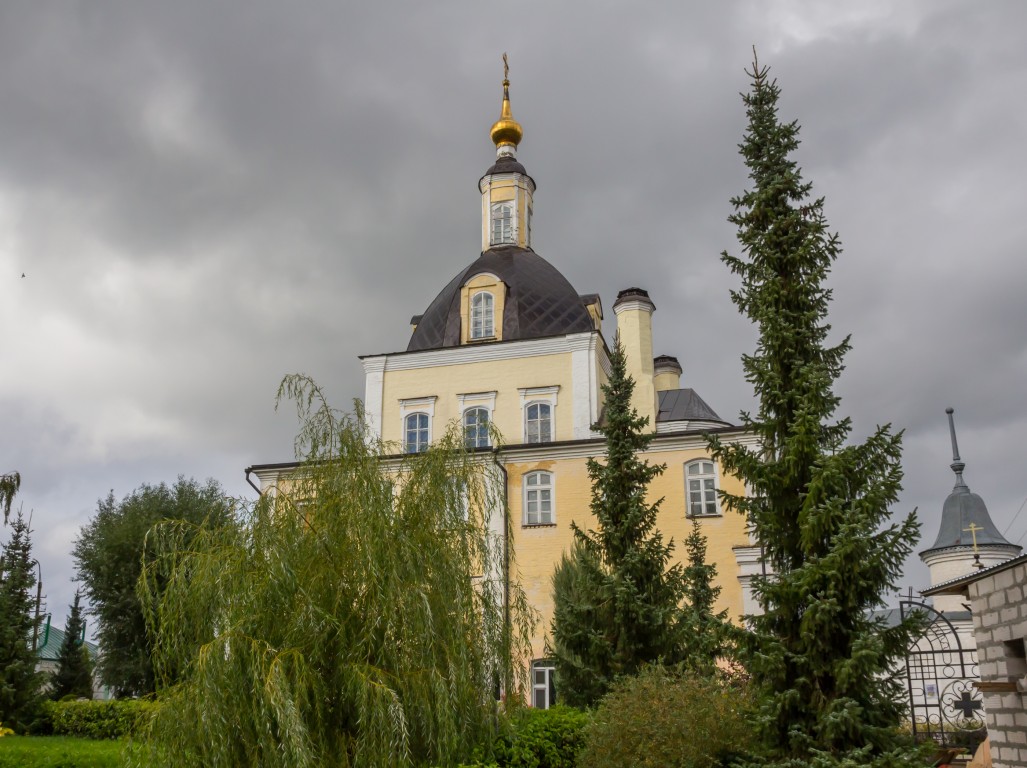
[(506, 130)]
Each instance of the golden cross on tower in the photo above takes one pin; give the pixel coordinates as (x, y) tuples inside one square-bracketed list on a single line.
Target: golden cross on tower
[(973, 532), (506, 68)]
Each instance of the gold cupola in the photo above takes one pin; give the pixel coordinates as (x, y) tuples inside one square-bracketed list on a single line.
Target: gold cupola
[(506, 132)]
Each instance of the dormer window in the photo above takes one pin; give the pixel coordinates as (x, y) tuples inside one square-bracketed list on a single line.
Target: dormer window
[(502, 224), (482, 325)]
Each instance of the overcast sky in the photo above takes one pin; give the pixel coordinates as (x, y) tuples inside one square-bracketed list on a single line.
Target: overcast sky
[(203, 197)]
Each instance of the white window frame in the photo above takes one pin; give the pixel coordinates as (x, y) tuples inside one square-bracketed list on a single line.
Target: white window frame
[(709, 484), (477, 426), (536, 395), (504, 235), (419, 447), (528, 420), (547, 686), (486, 328), (537, 488), (410, 406)]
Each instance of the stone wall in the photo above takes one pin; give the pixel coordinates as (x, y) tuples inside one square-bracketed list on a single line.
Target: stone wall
[(999, 603)]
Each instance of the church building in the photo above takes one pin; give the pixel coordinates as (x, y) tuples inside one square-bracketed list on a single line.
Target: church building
[(509, 342)]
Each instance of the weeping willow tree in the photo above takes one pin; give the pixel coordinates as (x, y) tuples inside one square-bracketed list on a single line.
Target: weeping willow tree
[(356, 618)]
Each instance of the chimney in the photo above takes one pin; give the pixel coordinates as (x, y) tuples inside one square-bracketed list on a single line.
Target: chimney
[(667, 373), (634, 310)]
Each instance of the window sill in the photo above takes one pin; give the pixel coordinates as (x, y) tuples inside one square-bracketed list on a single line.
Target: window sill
[(483, 340), (538, 525), (700, 517)]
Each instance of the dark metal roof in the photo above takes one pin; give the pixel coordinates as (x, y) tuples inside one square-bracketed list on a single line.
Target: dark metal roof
[(684, 405), (961, 510), (629, 294), (507, 164), (540, 302), (965, 521)]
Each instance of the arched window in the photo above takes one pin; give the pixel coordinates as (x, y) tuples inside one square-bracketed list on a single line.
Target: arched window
[(538, 423), (415, 437), (482, 326), (476, 427), (701, 488), (538, 498), (502, 224)]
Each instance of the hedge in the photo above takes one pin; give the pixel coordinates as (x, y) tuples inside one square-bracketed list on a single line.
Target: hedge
[(113, 719)]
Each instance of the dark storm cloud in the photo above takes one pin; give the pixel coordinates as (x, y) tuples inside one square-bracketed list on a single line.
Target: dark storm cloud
[(206, 196)]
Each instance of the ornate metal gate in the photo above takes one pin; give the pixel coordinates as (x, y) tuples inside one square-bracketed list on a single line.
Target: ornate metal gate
[(944, 704)]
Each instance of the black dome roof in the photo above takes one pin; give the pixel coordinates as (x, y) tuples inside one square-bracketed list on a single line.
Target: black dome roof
[(539, 301), (506, 164)]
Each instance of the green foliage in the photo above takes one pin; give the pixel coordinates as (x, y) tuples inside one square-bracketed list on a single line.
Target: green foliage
[(59, 752), (357, 619), (708, 636), (19, 681), (108, 555), (663, 718), (617, 599), (9, 485), (74, 673), (818, 507), (543, 738), (113, 719)]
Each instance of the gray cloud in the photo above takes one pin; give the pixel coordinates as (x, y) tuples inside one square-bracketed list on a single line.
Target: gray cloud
[(204, 199)]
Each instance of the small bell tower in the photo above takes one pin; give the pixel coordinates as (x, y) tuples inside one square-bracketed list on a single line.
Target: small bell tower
[(506, 188), (967, 538)]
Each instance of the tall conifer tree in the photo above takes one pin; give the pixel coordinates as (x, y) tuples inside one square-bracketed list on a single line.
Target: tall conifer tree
[(818, 506), (74, 673), (617, 599), (19, 681)]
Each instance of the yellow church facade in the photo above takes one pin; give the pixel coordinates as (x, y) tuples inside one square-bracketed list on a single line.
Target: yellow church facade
[(508, 346)]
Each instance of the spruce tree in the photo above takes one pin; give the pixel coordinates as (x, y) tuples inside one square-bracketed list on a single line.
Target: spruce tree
[(19, 681), (818, 505), (617, 599), (708, 636), (74, 673)]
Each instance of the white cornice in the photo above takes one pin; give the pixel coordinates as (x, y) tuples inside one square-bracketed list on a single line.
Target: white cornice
[(645, 305), (597, 447), (480, 353)]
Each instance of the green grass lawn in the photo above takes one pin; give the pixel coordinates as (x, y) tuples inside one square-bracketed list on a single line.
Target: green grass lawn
[(58, 752)]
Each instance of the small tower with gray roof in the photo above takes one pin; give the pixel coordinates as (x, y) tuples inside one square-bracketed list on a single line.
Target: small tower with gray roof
[(967, 539)]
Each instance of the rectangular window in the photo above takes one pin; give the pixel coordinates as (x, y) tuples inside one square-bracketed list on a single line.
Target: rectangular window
[(701, 488), (416, 433), (543, 684), (538, 498), (538, 423), (482, 321), (502, 224)]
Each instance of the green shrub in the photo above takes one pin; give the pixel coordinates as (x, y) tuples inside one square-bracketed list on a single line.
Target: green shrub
[(58, 752), (96, 719), (542, 738), (669, 719)]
